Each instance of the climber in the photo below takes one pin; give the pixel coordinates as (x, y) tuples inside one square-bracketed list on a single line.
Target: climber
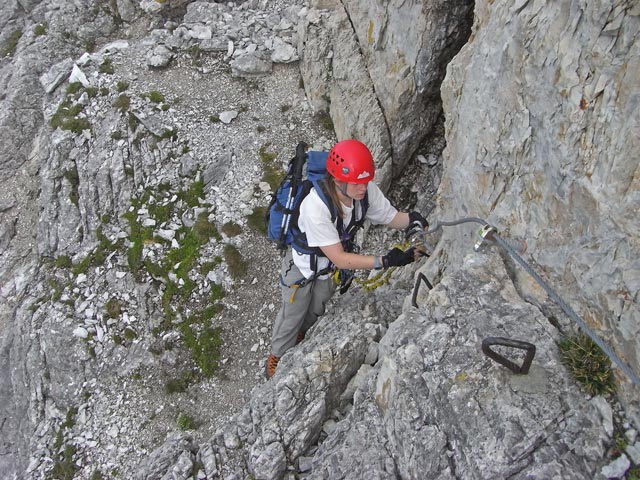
[(306, 279)]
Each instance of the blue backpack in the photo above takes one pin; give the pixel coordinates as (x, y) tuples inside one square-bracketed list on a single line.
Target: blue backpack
[(284, 209)]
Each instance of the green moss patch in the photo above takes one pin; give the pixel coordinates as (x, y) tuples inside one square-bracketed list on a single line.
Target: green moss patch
[(11, 44), (113, 308), (203, 340)]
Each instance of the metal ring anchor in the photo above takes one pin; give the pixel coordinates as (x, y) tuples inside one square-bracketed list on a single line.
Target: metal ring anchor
[(530, 348), (416, 288)]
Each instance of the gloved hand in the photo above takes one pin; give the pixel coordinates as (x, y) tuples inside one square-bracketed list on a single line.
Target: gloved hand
[(417, 223), (398, 258)]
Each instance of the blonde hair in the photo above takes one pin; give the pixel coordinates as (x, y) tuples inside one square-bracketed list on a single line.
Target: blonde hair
[(331, 189)]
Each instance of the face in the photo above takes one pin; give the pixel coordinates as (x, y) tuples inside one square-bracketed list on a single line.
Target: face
[(356, 191)]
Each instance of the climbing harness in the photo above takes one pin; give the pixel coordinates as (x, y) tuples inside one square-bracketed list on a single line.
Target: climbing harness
[(489, 235)]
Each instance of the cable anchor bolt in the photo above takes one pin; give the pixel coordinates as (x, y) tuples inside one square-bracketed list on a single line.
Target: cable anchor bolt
[(486, 237)]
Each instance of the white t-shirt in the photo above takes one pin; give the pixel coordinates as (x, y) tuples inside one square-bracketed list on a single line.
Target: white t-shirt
[(315, 221)]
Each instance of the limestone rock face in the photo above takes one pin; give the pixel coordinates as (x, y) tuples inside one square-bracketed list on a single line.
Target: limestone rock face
[(430, 408), (336, 80), (542, 138), (433, 406), (542, 141), (378, 67), (406, 46)]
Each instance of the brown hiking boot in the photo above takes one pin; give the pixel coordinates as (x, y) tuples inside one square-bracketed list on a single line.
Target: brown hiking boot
[(300, 337), (272, 364)]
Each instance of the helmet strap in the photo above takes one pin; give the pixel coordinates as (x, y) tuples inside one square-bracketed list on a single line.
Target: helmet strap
[(342, 188)]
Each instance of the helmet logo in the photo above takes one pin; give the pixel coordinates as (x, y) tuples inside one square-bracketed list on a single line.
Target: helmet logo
[(364, 174)]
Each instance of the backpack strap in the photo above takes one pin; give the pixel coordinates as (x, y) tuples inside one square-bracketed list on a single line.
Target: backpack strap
[(348, 233)]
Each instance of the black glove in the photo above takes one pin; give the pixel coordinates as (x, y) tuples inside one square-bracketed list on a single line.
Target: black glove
[(417, 223), (397, 258)]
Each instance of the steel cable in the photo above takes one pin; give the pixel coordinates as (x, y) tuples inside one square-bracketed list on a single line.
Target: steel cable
[(552, 293)]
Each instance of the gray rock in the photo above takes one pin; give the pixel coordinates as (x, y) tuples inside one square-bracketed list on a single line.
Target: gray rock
[(56, 75), (215, 44), (199, 11), (332, 46), (163, 460), (215, 171), (7, 230), (372, 354), (207, 458), (114, 47), (126, 10), (268, 461), (283, 52), (584, 221), (385, 54), (617, 468), (227, 116), (159, 56), (182, 469), (200, 32), (433, 388), (250, 65), (606, 413), (77, 75), (151, 6), (633, 451)]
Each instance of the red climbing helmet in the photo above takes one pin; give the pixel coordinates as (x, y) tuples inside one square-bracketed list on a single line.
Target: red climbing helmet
[(351, 161)]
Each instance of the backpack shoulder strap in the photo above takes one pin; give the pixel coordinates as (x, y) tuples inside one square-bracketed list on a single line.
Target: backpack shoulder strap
[(356, 223), (321, 190)]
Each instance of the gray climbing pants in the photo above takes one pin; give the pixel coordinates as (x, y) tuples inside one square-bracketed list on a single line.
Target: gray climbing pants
[(300, 308)]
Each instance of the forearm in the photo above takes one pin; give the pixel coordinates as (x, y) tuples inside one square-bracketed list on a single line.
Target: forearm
[(354, 261), (400, 221), (349, 261)]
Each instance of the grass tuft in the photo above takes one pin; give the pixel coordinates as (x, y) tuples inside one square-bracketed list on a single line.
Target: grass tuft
[(185, 422), (122, 86), (325, 120), (122, 103), (40, 29), (154, 96), (588, 364), (273, 172), (113, 307), (237, 265), (257, 220), (106, 67), (66, 118), (231, 229)]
